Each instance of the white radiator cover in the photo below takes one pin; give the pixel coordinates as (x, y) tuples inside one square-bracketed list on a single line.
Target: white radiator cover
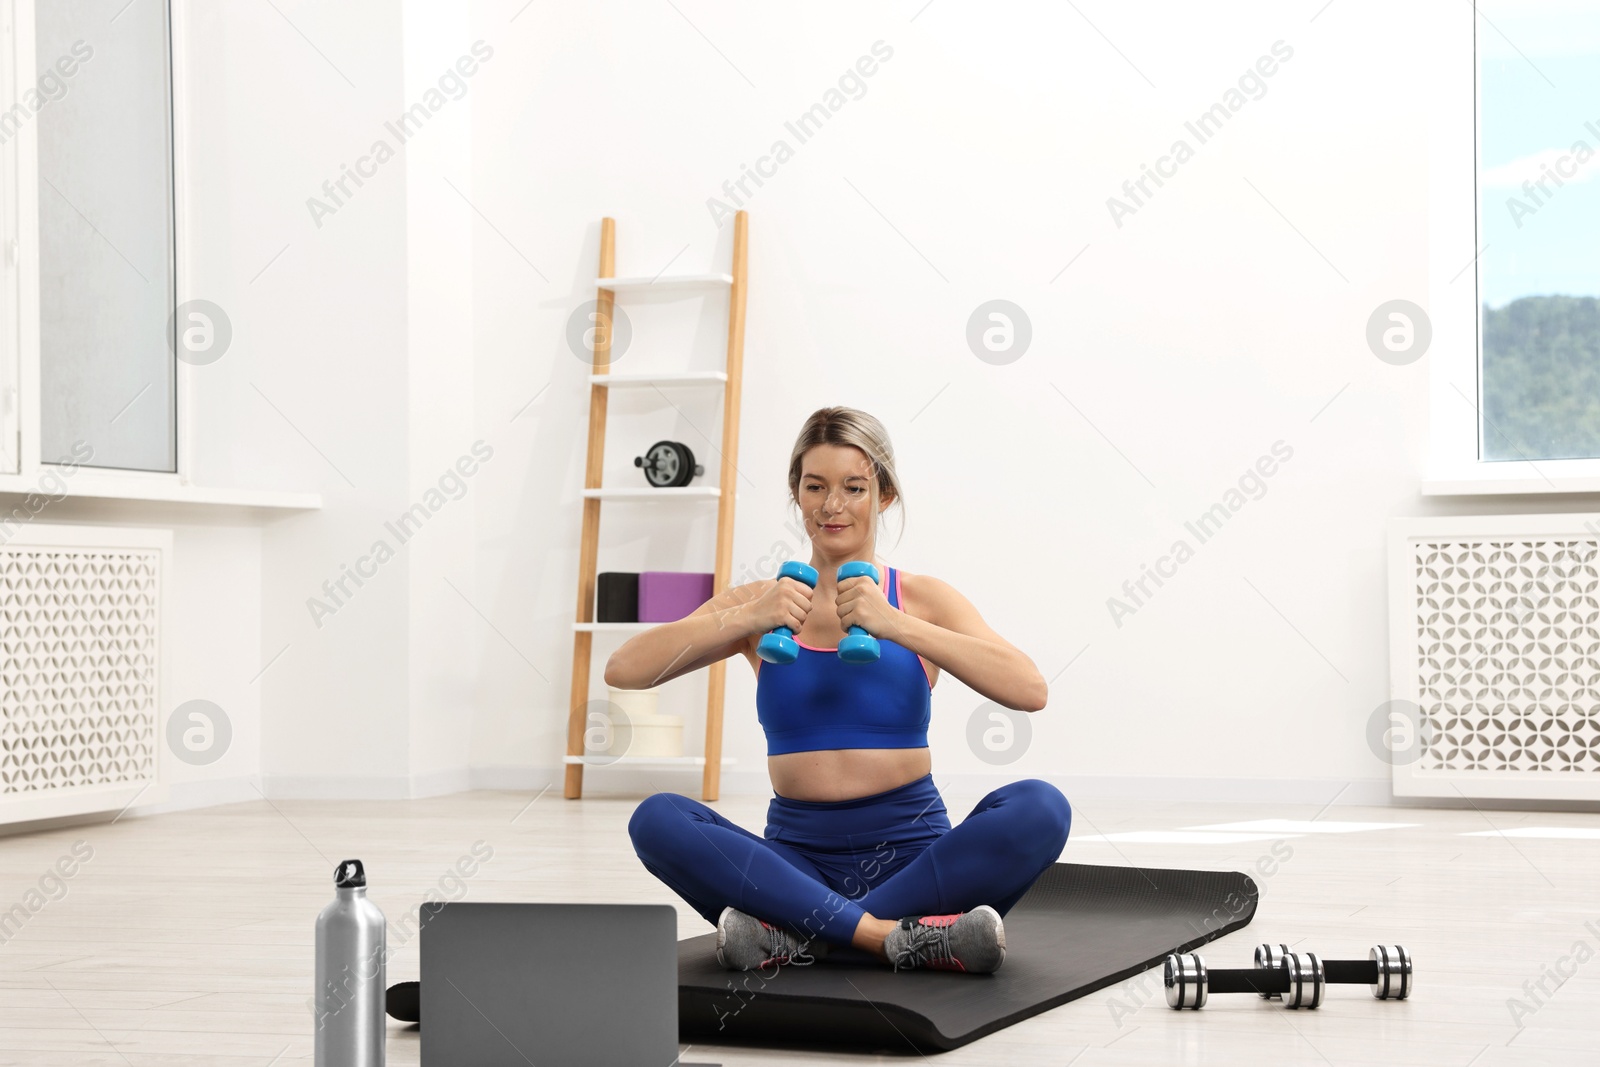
[(1494, 632), (80, 668)]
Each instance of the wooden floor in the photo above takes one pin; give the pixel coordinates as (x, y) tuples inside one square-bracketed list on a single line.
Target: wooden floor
[(187, 938)]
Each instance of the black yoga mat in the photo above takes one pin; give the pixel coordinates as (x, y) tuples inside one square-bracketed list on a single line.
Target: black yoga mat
[(1079, 928)]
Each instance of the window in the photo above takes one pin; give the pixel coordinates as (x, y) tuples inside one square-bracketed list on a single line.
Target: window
[(1513, 366), (86, 134), (1539, 221)]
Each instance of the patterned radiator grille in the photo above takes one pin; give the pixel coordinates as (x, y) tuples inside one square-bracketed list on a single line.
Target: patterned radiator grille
[(1508, 654), (78, 667)]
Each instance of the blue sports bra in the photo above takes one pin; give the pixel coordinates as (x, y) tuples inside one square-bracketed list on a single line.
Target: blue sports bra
[(819, 701)]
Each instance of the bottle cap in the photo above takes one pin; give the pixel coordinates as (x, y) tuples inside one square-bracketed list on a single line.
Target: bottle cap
[(350, 875)]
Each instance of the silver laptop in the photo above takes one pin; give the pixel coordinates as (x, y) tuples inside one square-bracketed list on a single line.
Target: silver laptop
[(550, 985)]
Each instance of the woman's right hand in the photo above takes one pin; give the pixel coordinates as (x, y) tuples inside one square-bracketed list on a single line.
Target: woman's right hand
[(785, 602)]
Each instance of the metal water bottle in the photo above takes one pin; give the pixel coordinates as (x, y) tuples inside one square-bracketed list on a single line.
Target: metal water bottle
[(349, 992)]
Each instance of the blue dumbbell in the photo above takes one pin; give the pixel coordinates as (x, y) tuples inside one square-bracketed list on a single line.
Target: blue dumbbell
[(858, 646), (778, 646)]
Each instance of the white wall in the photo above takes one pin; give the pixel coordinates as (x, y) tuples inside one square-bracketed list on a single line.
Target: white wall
[(1219, 319), (351, 375), (428, 314), (314, 395)]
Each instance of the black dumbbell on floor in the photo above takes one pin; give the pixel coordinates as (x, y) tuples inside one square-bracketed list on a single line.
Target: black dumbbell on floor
[(1387, 969), (1298, 977)]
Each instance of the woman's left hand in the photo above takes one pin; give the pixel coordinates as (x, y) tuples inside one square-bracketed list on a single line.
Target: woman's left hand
[(861, 603)]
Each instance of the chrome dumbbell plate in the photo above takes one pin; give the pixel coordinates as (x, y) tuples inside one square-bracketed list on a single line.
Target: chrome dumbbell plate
[(1270, 958), (1394, 972), (1184, 977), (1306, 980)]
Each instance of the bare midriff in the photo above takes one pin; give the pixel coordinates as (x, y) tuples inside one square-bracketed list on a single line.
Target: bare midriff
[(846, 773)]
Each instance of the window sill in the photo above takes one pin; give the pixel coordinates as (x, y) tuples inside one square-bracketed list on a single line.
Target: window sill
[(1546, 478), (81, 485)]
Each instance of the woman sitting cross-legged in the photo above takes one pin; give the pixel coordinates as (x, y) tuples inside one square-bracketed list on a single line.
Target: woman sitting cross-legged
[(858, 854)]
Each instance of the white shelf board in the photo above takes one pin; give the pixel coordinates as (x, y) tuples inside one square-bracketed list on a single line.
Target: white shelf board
[(666, 281), (699, 377), (707, 492), (644, 761)]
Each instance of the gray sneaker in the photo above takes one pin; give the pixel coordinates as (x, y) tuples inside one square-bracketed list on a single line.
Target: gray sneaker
[(971, 941), (746, 943)]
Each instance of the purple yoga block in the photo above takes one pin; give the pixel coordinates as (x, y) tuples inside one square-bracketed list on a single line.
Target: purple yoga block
[(667, 596)]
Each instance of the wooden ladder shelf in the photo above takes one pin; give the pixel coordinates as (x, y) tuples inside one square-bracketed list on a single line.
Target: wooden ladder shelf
[(601, 383)]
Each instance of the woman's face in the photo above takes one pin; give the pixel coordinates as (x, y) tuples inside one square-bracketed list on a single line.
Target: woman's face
[(836, 491)]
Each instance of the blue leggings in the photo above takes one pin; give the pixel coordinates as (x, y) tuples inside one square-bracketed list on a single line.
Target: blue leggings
[(822, 866)]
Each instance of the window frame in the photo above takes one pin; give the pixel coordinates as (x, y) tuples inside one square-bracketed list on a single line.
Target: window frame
[(20, 422), (1455, 466)]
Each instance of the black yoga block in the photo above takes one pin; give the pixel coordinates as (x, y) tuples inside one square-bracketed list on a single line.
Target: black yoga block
[(617, 597)]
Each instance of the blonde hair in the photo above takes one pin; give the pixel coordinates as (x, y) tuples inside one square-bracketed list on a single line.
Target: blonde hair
[(853, 428)]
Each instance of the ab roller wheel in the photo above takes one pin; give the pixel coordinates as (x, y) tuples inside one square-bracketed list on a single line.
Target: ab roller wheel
[(858, 646), (669, 465)]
